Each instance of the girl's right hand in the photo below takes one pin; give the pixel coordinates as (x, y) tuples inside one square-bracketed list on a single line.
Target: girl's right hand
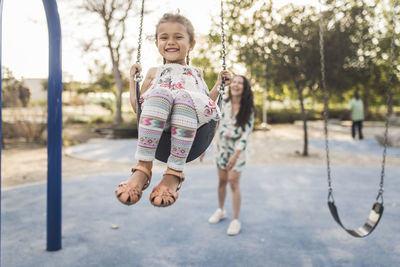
[(135, 68), (224, 74)]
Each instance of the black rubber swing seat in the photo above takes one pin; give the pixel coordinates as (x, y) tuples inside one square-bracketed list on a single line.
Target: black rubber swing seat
[(369, 226), (203, 138)]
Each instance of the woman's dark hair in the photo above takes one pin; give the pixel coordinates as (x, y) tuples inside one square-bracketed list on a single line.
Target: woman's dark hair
[(246, 103)]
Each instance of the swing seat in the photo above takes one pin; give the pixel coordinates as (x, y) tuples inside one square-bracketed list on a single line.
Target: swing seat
[(203, 138), (369, 226)]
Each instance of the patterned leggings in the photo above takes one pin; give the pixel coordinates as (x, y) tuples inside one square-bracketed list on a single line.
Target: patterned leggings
[(159, 108)]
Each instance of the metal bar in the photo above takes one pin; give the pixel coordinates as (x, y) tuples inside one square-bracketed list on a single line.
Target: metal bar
[(1, 107), (54, 128)]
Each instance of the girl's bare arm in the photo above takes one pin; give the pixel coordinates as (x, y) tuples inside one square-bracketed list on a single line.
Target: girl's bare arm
[(214, 91), (146, 84)]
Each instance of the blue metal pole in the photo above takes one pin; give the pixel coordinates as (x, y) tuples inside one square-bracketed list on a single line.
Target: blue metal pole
[(1, 107), (54, 128)]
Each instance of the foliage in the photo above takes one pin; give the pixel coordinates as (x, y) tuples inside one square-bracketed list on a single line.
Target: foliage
[(280, 49), (14, 94), (103, 81), (203, 61), (114, 17)]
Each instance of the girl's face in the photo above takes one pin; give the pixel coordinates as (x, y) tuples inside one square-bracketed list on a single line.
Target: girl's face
[(173, 42), (236, 86)]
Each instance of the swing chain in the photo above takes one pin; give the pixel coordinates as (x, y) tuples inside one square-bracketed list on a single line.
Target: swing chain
[(323, 79), (330, 195), (221, 88), (389, 102), (138, 76), (379, 197)]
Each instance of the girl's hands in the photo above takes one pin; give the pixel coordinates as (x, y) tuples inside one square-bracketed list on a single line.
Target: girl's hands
[(135, 68), (227, 75)]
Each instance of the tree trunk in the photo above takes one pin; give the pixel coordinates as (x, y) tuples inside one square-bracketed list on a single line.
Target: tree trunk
[(114, 15), (114, 54), (304, 118), (118, 82)]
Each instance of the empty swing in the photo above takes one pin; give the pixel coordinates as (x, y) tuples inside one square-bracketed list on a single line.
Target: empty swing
[(377, 208), (204, 134)]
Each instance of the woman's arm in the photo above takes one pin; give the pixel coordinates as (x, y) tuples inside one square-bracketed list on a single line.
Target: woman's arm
[(132, 83), (248, 128)]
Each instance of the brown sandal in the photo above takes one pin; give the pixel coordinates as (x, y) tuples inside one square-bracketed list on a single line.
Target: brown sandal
[(134, 193), (162, 196)]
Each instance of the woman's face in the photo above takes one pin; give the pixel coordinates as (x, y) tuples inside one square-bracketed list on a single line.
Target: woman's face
[(236, 86)]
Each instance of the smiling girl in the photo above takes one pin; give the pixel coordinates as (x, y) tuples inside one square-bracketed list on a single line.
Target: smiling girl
[(174, 96)]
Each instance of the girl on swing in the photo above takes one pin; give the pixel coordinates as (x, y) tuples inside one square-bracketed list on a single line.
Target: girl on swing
[(174, 96)]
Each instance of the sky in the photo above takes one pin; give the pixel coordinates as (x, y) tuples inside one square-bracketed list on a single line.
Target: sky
[(25, 36)]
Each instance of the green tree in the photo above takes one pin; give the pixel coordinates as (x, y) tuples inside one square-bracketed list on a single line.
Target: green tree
[(357, 42), (14, 93), (295, 55), (114, 17), (204, 60)]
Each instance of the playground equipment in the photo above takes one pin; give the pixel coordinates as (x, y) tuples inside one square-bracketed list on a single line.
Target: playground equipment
[(205, 133), (54, 121), (54, 125), (377, 208)]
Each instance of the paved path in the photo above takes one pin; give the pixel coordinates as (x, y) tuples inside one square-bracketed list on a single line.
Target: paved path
[(369, 146), (284, 216), (123, 150)]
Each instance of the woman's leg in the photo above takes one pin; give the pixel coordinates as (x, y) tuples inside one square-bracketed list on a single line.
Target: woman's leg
[(234, 179), (222, 181)]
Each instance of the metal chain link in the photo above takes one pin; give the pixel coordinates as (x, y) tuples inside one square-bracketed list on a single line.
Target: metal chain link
[(223, 36), (138, 76), (323, 80), (389, 102), (221, 88)]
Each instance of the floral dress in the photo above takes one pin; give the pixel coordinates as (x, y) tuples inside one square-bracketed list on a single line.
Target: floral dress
[(232, 138), (182, 77)]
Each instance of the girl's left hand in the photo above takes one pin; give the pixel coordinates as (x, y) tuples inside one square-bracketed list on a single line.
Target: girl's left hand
[(227, 75)]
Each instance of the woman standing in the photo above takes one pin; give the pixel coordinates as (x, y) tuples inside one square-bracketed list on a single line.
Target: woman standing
[(234, 130)]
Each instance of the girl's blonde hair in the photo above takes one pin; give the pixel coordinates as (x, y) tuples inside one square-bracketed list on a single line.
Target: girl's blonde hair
[(169, 17)]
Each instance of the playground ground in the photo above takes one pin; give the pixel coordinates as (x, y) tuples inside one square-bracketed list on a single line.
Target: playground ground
[(282, 144), (284, 214)]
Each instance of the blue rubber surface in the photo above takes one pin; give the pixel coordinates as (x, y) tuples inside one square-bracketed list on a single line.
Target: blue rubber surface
[(366, 146), (284, 215)]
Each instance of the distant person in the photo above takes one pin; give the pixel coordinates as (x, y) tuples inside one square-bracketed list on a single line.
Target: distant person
[(174, 96), (234, 130), (357, 115)]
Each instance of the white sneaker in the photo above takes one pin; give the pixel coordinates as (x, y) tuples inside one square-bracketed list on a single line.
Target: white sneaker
[(218, 215), (234, 227)]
